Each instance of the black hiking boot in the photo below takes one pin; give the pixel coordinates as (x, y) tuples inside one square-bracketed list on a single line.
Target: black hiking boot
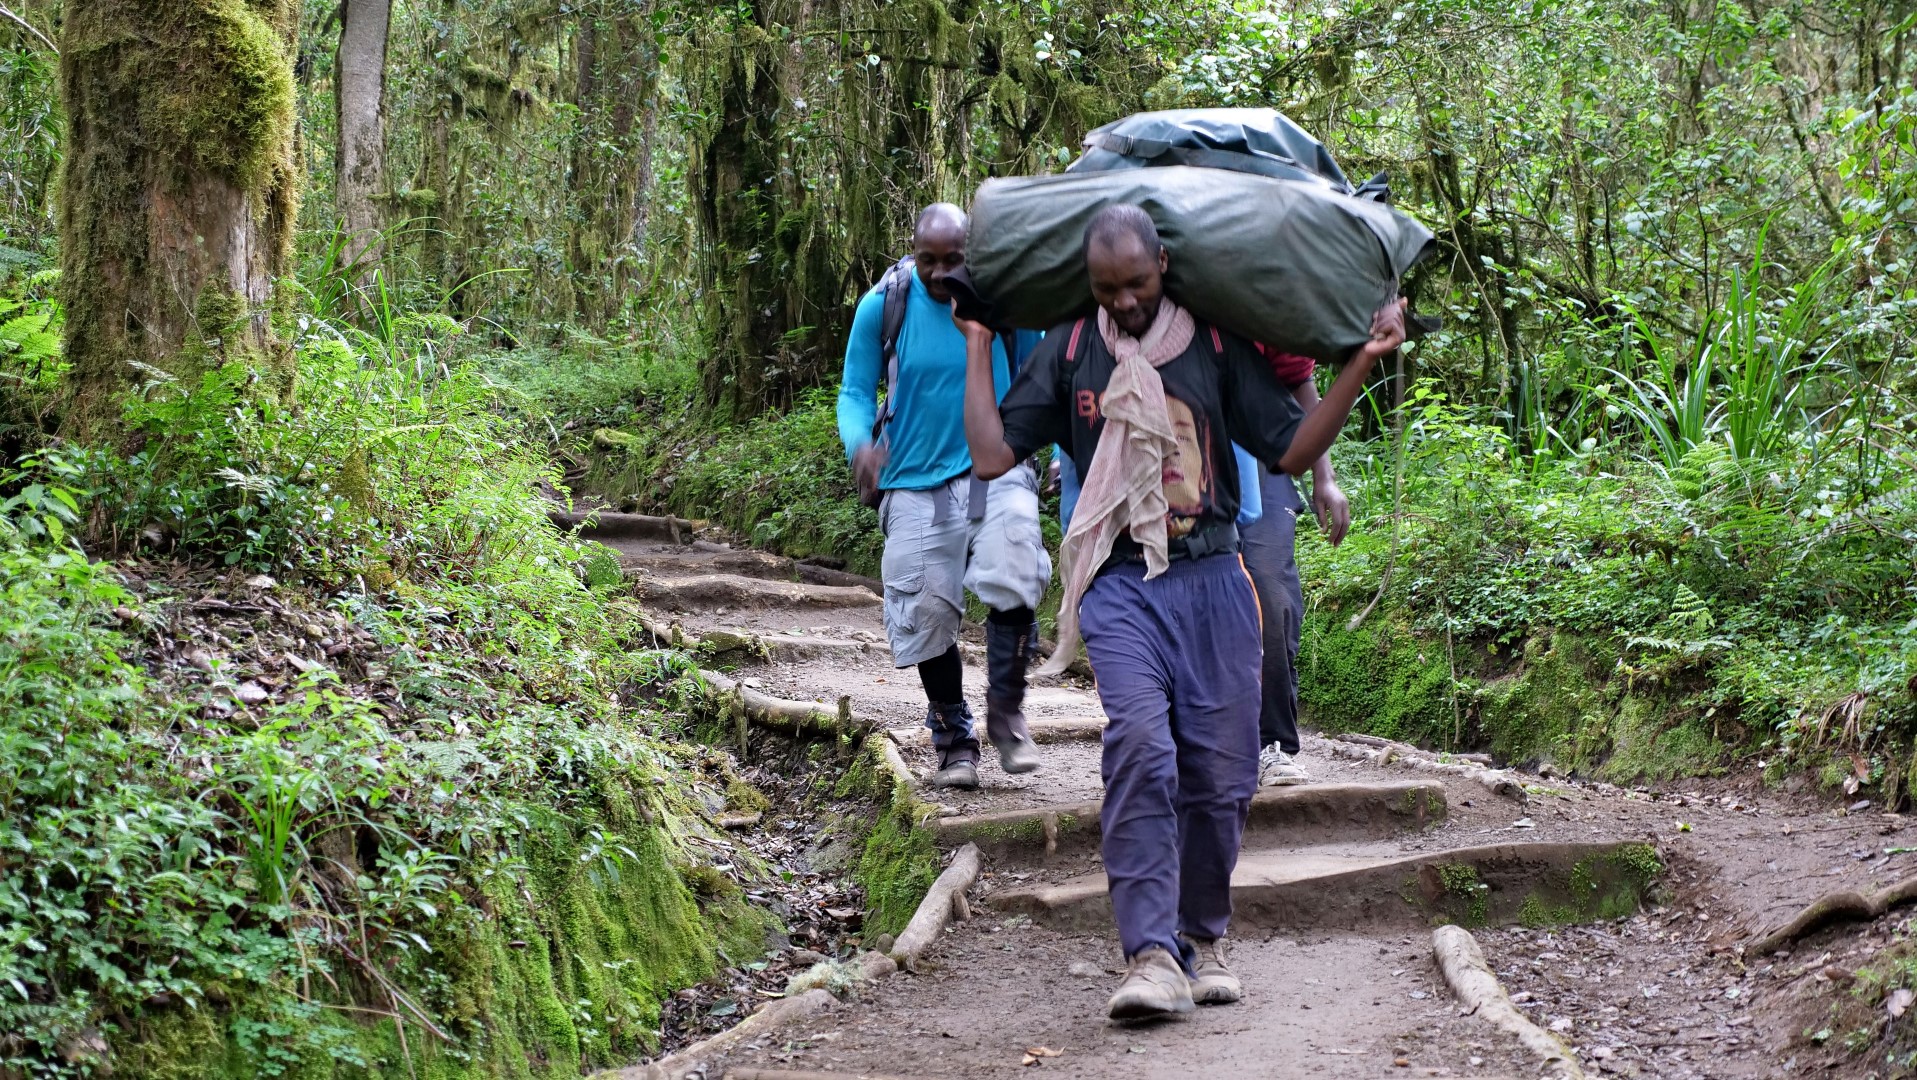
[(1008, 653), (956, 745)]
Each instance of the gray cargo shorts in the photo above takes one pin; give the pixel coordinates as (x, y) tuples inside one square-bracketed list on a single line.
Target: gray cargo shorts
[(935, 550)]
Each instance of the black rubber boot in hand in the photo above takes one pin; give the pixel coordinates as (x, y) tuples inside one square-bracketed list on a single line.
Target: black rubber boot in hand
[(956, 745), (1008, 652)]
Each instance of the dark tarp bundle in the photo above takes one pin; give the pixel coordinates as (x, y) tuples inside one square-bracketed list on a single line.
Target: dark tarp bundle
[(1292, 263), (1262, 141)]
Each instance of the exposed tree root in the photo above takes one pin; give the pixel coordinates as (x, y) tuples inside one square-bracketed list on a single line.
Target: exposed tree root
[(943, 902), (670, 634), (1471, 980), (1044, 731), (781, 714), (892, 760), (692, 1059), (1407, 748), (1499, 781), (825, 575), (1844, 906)]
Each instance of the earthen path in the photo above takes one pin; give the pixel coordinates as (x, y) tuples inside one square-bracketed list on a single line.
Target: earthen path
[(1340, 883)]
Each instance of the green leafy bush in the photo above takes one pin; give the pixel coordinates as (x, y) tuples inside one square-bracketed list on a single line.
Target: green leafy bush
[(1756, 602), (458, 845)]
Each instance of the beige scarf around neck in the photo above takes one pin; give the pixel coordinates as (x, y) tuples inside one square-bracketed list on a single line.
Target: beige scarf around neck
[(1124, 492)]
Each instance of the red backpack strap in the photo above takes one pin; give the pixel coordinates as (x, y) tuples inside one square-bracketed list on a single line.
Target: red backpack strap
[(1071, 344), (1217, 342)]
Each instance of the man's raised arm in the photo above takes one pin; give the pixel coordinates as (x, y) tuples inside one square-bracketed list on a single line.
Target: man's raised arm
[(1320, 427), (992, 457)]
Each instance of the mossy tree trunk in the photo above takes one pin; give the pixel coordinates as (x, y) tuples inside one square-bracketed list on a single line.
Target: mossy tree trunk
[(617, 65), (178, 192), (773, 297), (360, 157)]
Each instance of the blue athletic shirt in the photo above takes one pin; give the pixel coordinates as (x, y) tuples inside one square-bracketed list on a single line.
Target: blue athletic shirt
[(927, 433)]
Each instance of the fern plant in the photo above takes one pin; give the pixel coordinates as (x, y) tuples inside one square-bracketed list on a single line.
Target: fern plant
[(31, 363)]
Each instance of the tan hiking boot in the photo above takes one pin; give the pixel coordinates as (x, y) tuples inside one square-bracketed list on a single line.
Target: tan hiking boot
[(1155, 987), (1212, 983)]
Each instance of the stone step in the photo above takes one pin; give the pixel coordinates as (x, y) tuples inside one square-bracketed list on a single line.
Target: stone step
[(701, 591), (1533, 884), (1310, 814)]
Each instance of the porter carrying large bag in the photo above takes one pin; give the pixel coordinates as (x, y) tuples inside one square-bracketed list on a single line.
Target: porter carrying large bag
[(1297, 263)]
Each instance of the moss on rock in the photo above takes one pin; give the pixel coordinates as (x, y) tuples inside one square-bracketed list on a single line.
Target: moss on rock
[(555, 968), (1647, 745), (898, 865), (1379, 679)]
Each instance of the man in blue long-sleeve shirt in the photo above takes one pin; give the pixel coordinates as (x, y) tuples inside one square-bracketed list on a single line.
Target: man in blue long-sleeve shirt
[(945, 532)]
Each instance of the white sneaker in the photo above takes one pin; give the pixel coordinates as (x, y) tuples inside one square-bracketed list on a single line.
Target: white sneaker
[(1279, 769)]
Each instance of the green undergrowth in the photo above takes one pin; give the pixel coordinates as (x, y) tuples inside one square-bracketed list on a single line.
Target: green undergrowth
[(631, 424), (1869, 1017), (401, 807), (1619, 618), (1558, 698)]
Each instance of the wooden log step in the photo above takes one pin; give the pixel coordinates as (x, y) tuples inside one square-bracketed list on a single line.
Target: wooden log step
[(614, 525), (1534, 884), (1308, 814), (734, 590)]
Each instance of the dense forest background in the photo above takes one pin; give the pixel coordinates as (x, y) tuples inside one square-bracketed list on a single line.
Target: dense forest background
[(336, 291)]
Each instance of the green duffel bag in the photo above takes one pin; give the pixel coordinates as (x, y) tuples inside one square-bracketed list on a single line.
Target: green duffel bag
[(1290, 263)]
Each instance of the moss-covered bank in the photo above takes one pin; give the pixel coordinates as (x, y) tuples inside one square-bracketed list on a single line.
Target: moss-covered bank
[(1559, 697), (551, 970), (897, 860)]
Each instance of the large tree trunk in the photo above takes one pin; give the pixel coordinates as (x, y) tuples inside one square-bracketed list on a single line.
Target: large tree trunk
[(618, 64), (774, 296), (739, 211), (178, 192), (361, 157)]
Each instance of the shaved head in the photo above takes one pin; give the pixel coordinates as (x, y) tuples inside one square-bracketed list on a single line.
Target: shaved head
[(940, 217), (938, 247)]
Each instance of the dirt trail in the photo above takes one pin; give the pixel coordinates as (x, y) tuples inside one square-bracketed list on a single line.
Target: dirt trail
[(1338, 887)]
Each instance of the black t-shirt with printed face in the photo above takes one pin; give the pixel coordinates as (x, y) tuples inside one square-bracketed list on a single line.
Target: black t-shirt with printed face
[(1221, 390)]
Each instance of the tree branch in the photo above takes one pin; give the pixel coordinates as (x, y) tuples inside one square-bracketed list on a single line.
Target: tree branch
[(31, 29)]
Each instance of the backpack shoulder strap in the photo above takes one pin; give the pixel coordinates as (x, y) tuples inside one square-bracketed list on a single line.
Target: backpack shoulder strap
[(895, 288), (1071, 343)]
